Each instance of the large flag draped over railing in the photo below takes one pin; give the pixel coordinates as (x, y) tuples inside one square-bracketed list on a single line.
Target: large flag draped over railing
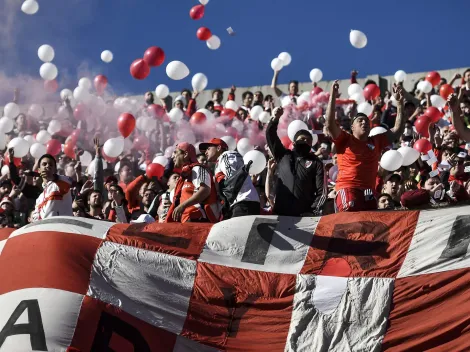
[(371, 281)]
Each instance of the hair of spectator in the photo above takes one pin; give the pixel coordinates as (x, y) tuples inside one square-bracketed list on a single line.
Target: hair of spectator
[(467, 70), (295, 82), (47, 156), (186, 90), (217, 90), (245, 94)]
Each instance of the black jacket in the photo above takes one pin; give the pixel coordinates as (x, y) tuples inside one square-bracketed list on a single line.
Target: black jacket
[(300, 186)]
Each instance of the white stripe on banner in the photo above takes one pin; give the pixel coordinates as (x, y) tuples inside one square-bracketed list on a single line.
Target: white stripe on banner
[(151, 286), (50, 316), (440, 242), (343, 316), (268, 243), (68, 224)]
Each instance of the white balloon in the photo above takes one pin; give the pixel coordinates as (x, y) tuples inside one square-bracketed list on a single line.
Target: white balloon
[(199, 82), (286, 101), (365, 108), (277, 64), (30, 139), (438, 101), (425, 87), (358, 98), (357, 39), (11, 110), (230, 104), (314, 138), (410, 155), (285, 58), (244, 146), (169, 151), (37, 150), (400, 76), (391, 160), (3, 140), (66, 93), (209, 115), (264, 117), (255, 112), (85, 83), (162, 91), (394, 101), (113, 147), (30, 7), (81, 94), (20, 146), (258, 159), (55, 126), (46, 53), (294, 127), (43, 137), (355, 89), (204, 2), (231, 142), (175, 115), (162, 160), (316, 75), (148, 123), (36, 111), (177, 70), (213, 42), (62, 113), (107, 56), (91, 165), (86, 158), (48, 71), (377, 130), (6, 124), (5, 170)]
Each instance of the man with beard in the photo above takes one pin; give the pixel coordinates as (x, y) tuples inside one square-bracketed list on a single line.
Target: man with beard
[(393, 188), (300, 187), (95, 202), (359, 155), (147, 205)]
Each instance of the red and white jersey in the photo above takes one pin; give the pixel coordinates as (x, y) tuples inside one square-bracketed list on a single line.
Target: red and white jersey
[(55, 199)]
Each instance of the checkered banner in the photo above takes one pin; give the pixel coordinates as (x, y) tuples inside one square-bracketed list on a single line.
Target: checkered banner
[(372, 281)]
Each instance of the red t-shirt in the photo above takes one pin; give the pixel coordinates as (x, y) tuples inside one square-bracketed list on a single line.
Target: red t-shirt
[(358, 161)]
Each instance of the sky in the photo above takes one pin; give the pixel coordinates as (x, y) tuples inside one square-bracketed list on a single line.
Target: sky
[(412, 35)]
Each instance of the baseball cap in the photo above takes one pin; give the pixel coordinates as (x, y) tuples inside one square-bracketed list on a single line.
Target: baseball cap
[(390, 176), (111, 179), (360, 114), (6, 200), (213, 142), (186, 147)]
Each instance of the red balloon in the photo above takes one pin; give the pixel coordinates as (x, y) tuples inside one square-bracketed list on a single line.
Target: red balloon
[(141, 143), (446, 90), (204, 33), (154, 56), (80, 112), (286, 142), (16, 161), (434, 78), (197, 12), (157, 111), (54, 147), (422, 125), (422, 145), (69, 149), (126, 124), (155, 170), (433, 113), (140, 69), (371, 91), (198, 118), (51, 86), (228, 112), (316, 90), (100, 83)]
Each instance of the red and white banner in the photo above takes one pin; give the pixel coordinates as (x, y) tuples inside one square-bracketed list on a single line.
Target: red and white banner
[(372, 281)]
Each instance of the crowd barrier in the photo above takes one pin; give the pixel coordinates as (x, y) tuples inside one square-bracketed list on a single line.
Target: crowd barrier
[(371, 281)]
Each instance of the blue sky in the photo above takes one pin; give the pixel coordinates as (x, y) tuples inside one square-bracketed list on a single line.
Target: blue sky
[(413, 35)]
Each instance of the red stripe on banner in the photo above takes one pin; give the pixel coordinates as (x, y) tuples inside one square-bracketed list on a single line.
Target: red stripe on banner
[(183, 241), (5, 233), (103, 327), (374, 244), (240, 310), (47, 259), (430, 313)]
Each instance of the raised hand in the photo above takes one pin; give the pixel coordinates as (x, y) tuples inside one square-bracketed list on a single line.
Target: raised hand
[(335, 90), (277, 113), (398, 93), (96, 143), (453, 101)]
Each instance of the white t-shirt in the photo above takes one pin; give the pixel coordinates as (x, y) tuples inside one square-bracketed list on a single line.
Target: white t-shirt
[(227, 164)]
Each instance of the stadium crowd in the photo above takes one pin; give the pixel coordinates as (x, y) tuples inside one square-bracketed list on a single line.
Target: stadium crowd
[(197, 175)]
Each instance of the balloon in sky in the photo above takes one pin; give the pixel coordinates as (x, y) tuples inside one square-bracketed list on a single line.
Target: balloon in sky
[(277, 64), (357, 39), (100, 83), (204, 2), (162, 91), (126, 124), (107, 56), (30, 7), (48, 71), (197, 12), (213, 42), (400, 76), (434, 78), (316, 75), (51, 86), (199, 82), (204, 33), (154, 56), (46, 53), (177, 70), (139, 69), (285, 58)]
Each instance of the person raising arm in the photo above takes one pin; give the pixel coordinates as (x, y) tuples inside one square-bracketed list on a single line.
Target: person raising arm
[(457, 116)]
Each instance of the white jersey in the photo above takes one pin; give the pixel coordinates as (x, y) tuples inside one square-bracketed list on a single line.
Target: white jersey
[(229, 163), (55, 199)]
